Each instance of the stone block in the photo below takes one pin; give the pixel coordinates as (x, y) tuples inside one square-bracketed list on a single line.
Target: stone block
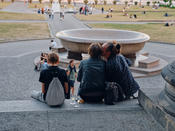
[(150, 62), (23, 121)]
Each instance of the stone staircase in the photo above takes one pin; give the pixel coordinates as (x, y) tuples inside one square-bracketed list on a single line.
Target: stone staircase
[(30, 115)]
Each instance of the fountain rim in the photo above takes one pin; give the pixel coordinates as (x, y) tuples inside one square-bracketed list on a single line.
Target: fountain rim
[(62, 35)]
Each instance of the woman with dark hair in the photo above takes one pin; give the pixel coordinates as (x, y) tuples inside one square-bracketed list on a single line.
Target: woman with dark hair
[(91, 75), (118, 48), (117, 69)]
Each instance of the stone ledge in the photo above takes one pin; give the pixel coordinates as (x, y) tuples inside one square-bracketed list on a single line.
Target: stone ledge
[(34, 105), (148, 100), (32, 115)]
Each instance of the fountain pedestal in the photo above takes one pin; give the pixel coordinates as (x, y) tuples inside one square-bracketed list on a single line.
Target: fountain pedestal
[(74, 55)]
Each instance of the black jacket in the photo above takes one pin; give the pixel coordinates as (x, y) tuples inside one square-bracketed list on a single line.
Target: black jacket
[(117, 70), (91, 76)]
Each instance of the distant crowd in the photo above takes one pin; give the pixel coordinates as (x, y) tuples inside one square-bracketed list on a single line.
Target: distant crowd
[(51, 13)]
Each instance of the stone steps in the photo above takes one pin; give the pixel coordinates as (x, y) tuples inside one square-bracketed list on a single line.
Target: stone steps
[(151, 71), (149, 63), (32, 115)]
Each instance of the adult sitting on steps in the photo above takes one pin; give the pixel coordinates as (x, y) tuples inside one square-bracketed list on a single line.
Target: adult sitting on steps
[(91, 75), (117, 70)]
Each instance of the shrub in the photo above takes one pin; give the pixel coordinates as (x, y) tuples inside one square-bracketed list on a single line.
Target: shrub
[(2, 1), (12, 1), (114, 2)]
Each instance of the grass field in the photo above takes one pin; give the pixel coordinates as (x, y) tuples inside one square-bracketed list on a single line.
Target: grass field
[(149, 16), (4, 4), (23, 31), (157, 32), (132, 8), (20, 16)]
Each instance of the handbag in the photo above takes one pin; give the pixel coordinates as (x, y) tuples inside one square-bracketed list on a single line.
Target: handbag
[(113, 93)]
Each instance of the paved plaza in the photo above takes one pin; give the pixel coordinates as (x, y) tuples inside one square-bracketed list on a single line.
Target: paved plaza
[(18, 78)]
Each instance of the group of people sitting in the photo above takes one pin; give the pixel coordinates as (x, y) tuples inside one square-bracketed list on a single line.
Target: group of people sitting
[(105, 64)]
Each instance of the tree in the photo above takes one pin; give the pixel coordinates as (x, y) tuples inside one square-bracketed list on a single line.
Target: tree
[(165, 1), (86, 2), (69, 2), (2, 1), (30, 1), (114, 2), (96, 2), (148, 3), (60, 1), (170, 2), (51, 1), (126, 3), (135, 3), (105, 2), (40, 1), (154, 2)]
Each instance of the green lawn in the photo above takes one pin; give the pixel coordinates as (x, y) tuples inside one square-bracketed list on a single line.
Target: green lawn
[(149, 16), (23, 31), (20, 16), (157, 32)]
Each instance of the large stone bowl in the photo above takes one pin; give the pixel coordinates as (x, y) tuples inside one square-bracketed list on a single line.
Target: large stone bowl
[(77, 41)]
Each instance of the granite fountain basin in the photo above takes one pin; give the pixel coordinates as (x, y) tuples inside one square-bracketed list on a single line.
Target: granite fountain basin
[(77, 41)]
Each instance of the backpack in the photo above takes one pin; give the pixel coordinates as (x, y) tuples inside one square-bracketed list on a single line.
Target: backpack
[(55, 93), (113, 93)]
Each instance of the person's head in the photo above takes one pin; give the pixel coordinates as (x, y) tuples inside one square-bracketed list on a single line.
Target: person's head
[(110, 49), (42, 54), (51, 40), (95, 50), (71, 63), (118, 47), (53, 59)]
